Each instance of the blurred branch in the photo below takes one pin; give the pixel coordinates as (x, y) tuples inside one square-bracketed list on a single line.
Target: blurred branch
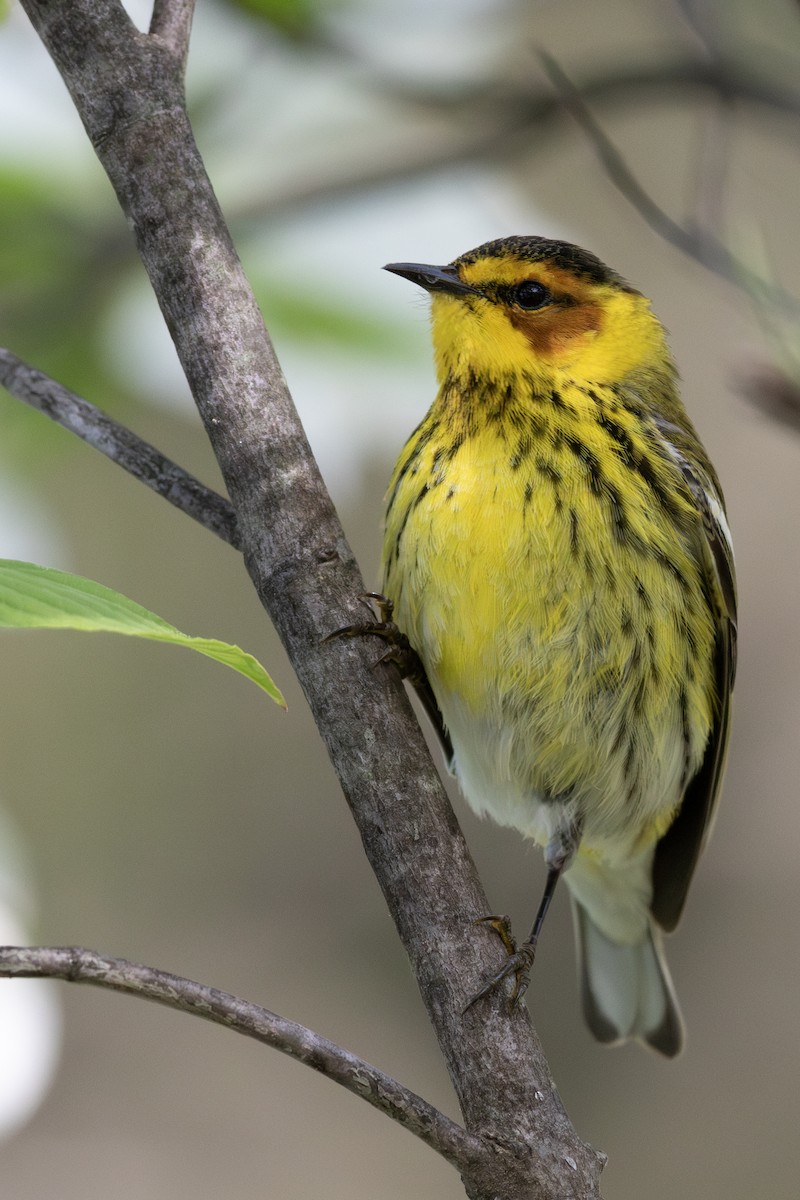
[(76, 965), (750, 77), (711, 169), (775, 393), (128, 91), (701, 245), (121, 445), (491, 122), (702, 17)]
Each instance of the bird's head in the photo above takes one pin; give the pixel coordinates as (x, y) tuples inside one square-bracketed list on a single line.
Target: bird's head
[(539, 307)]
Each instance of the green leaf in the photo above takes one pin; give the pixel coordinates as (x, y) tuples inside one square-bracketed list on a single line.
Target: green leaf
[(291, 311), (33, 597), (294, 17)]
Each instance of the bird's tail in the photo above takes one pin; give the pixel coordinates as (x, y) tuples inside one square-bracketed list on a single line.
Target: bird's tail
[(625, 983), (626, 989)]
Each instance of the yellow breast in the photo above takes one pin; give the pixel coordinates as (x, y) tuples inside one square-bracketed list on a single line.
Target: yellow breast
[(549, 596)]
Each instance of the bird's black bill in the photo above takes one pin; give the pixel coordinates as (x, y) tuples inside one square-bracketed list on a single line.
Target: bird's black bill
[(433, 279)]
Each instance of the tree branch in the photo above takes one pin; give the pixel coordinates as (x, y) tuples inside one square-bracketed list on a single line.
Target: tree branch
[(121, 445), (76, 965), (171, 23), (701, 245), (128, 91)]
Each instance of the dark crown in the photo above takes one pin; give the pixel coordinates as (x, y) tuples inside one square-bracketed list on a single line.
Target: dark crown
[(538, 249)]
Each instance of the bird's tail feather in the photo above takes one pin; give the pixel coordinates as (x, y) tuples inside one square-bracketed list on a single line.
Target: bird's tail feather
[(626, 989)]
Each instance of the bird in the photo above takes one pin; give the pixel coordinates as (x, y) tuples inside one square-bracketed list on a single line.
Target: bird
[(558, 560)]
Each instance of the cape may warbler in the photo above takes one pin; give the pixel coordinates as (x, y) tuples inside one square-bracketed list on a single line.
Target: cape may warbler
[(558, 557)]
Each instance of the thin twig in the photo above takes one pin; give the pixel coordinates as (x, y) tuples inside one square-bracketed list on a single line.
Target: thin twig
[(700, 245), (711, 169), (121, 445), (77, 965), (171, 22)]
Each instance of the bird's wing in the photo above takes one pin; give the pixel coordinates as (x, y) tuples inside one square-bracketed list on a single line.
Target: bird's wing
[(679, 849)]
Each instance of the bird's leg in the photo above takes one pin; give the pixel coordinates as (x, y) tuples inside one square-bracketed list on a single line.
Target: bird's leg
[(558, 855), (400, 652)]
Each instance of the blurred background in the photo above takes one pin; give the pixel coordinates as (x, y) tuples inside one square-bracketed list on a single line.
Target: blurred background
[(158, 807)]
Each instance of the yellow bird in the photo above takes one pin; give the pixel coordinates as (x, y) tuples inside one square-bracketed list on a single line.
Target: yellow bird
[(557, 554)]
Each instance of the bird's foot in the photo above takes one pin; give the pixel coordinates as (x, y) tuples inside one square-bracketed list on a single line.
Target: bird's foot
[(400, 652), (398, 648), (519, 963)]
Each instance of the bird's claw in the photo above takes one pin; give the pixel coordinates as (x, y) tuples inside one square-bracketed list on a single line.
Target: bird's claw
[(519, 963), (399, 650), (502, 927), (380, 607)]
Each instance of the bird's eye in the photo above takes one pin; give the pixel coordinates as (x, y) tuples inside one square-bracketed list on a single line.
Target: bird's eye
[(531, 294)]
